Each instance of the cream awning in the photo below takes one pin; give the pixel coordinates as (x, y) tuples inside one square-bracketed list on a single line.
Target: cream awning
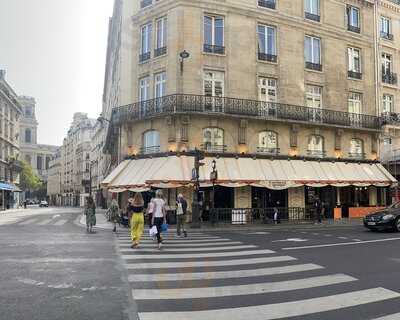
[(174, 171)]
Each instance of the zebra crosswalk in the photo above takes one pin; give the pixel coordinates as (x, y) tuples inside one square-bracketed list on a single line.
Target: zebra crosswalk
[(28, 220), (210, 277)]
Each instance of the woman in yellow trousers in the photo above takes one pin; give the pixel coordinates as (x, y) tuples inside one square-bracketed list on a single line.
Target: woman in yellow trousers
[(135, 210)]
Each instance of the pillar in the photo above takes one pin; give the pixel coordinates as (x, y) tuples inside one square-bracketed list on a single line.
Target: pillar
[(243, 197), (373, 197)]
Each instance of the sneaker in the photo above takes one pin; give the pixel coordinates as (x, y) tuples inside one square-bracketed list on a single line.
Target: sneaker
[(159, 246), (185, 234), (115, 229)]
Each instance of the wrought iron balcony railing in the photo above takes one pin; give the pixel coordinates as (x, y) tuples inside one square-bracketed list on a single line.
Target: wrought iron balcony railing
[(144, 56), (209, 147), (148, 150), (271, 151), (223, 106), (160, 51), (389, 78), (209, 48), (312, 16), (353, 28), (145, 3), (270, 4), (354, 74), (386, 35), (313, 66), (356, 155), (316, 153), (267, 57)]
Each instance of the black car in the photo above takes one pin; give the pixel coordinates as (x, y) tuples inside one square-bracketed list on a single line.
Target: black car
[(389, 218)]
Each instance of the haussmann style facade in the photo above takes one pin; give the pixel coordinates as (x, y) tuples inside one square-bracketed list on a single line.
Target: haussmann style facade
[(281, 94)]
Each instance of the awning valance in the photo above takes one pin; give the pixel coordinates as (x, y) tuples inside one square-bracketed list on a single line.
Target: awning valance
[(176, 171)]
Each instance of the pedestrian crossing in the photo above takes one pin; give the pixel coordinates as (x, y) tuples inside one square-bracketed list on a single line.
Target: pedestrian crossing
[(206, 277), (29, 221)]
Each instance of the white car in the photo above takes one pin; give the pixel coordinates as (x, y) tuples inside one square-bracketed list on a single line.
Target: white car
[(43, 204)]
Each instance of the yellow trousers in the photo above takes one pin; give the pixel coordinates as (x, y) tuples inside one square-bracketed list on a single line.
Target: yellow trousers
[(137, 227)]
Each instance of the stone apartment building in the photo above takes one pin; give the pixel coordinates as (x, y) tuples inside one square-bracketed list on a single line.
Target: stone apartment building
[(280, 93), (10, 115), (54, 186)]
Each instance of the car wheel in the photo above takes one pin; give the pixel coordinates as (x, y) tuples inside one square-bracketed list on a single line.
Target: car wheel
[(397, 224)]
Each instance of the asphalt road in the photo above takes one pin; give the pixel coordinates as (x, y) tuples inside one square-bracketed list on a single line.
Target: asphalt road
[(54, 270)]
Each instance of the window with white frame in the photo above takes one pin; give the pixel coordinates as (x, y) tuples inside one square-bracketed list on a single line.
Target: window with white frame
[(312, 9), (161, 36), (213, 83), (144, 89), (314, 96), (214, 34), (160, 81), (316, 145), (267, 89), (353, 19), (356, 148), (312, 52), (268, 142), (386, 63), (145, 48), (354, 63), (151, 141), (385, 27), (213, 139), (387, 103), (266, 43), (355, 103)]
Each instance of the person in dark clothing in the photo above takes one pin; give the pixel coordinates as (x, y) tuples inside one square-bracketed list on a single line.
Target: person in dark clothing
[(318, 210), (181, 209)]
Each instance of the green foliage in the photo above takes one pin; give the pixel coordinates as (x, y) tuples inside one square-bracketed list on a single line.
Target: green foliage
[(28, 179)]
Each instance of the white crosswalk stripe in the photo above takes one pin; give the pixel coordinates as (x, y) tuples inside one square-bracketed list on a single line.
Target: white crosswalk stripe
[(44, 222), (193, 270), (29, 221), (60, 222)]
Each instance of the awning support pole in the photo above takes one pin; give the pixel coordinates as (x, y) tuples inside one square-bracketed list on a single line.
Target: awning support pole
[(338, 196)]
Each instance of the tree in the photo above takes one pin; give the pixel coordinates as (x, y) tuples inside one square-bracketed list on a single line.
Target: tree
[(28, 179)]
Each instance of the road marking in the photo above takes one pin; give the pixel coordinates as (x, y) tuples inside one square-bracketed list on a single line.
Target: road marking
[(127, 244), (395, 316), (250, 289), (259, 233), (344, 238), (219, 263), (356, 240), (315, 234), (173, 238), (223, 274), (29, 221), (328, 235), (340, 244), (281, 310), (182, 240), (44, 222), (60, 222), (291, 240), (197, 255), (166, 249)]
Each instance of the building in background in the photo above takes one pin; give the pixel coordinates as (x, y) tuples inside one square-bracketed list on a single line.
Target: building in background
[(10, 115), (75, 160), (54, 186), (297, 100)]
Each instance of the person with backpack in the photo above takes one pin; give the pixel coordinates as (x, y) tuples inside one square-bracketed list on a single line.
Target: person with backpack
[(181, 209)]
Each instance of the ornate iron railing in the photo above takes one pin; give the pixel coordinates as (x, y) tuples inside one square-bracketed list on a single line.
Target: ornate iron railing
[(271, 151), (160, 51), (145, 3), (209, 147), (144, 56), (148, 150), (386, 35), (312, 16), (267, 57), (355, 155), (389, 78), (354, 74), (353, 28), (184, 104), (209, 48), (270, 4), (313, 66)]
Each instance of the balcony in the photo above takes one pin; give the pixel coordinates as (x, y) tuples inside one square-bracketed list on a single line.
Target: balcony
[(354, 75), (316, 153), (313, 66), (312, 16), (149, 150), (160, 51), (386, 36), (209, 48), (389, 78), (271, 151), (353, 28), (270, 4), (213, 148), (253, 109), (267, 57), (145, 3), (144, 56), (357, 155)]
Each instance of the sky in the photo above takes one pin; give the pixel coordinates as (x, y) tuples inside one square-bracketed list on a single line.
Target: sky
[(55, 51)]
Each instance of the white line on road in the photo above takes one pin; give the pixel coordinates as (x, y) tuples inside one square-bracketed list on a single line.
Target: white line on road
[(208, 249), (340, 244), (192, 264), (197, 255), (223, 274), (281, 310), (44, 222), (344, 238), (127, 244), (395, 316), (181, 240), (60, 222), (226, 291), (29, 221)]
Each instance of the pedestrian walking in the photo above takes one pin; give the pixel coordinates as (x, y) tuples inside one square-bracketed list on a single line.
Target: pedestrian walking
[(90, 212), (277, 218), (114, 213), (159, 215), (318, 210), (136, 217), (181, 209)]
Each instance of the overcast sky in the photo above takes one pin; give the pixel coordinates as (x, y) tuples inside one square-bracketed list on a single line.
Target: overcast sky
[(54, 50)]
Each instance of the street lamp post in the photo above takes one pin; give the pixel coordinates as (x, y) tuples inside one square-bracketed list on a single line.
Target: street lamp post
[(195, 177), (213, 178)]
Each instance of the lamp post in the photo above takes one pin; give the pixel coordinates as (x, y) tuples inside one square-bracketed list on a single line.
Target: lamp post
[(183, 55), (195, 177), (213, 178)]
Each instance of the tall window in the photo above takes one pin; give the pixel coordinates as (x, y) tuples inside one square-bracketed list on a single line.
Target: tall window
[(28, 136), (267, 94), (213, 82), (354, 103), (312, 52), (312, 9), (161, 41), (47, 162), (268, 142), (356, 148), (145, 48), (214, 34), (151, 141), (160, 80), (316, 146), (387, 103), (387, 69), (354, 63), (270, 4), (353, 19), (213, 139), (39, 162), (314, 101), (144, 94), (266, 43), (385, 27)]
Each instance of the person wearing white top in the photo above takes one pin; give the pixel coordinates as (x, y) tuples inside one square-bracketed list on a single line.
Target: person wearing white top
[(159, 215)]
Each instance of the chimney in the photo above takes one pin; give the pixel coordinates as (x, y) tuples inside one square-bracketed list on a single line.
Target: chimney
[(2, 74)]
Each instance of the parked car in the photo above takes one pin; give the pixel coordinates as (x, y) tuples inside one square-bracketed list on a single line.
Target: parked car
[(388, 218), (43, 204)]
